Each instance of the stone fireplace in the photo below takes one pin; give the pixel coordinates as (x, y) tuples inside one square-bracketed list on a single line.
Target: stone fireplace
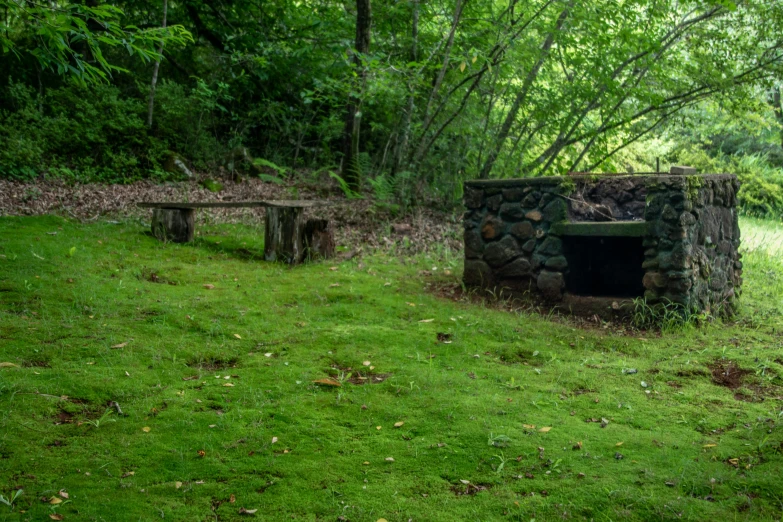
[(594, 243)]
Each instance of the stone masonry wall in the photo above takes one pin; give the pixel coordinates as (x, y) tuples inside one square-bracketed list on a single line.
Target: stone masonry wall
[(692, 257), (690, 243), (507, 240)]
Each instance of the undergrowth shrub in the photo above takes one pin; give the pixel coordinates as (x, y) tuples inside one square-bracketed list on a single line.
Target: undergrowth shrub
[(761, 194), (185, 119), (667, 316), (80, 133)]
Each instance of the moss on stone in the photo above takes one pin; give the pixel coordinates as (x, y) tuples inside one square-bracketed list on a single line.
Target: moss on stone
[(605, 229)]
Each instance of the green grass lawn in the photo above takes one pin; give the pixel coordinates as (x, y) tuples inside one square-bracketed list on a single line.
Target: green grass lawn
[(518, 417)]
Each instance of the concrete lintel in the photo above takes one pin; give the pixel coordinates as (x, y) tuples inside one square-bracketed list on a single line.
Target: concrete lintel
[(601, 229)]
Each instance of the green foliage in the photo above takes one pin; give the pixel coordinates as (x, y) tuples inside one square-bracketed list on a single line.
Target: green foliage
[(667, 316), (398, 190), (89, 133), (67, 39), (260, 162), (761, 192), (211, 185), (12, 498), (449, 90), (346, 189)]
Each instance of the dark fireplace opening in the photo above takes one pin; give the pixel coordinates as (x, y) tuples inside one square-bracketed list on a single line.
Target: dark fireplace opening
[(604, 266)]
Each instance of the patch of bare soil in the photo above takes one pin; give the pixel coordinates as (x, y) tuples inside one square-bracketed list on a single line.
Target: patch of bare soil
[(63, 417), (696, 372), (452, 289), (214, 363), (356, 221), (36, 363), (154, 277), (728, 374), (468, 488)]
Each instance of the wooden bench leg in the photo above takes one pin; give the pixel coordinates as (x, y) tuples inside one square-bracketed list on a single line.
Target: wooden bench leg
[(173, 224), (283, 237), (318, 239)]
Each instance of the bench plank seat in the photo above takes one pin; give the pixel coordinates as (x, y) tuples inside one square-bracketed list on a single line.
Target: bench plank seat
[(282, 203)]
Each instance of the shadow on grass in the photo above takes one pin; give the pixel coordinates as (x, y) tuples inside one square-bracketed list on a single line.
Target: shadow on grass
[(230, 247)]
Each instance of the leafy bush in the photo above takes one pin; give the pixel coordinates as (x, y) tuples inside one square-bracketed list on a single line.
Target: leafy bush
[(761, 194), (186, 120), (80, 133)]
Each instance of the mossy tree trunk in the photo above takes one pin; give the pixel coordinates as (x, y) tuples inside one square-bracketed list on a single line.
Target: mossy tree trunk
[(351, 169), (173, 224), (284, 232)]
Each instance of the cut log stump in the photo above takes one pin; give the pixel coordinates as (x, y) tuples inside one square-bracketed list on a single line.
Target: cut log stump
[(283, 237), (318, 239), (173, 224)]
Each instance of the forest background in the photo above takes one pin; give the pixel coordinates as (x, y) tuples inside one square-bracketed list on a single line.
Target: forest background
[(404, 99)]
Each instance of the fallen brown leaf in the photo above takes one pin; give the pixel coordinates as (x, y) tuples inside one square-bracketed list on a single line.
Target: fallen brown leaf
[(327, 382), (56, 516), (209, 287), (243, 511), (121, 345)]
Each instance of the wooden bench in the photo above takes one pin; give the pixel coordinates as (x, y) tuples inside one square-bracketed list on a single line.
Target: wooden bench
[(287, 237)]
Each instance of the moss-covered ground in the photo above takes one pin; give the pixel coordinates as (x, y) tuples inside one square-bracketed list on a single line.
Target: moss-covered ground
[(152, 381)]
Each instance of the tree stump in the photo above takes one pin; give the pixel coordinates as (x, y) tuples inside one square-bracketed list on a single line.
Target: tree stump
[(318, 239), (283, 237), (173, 224)]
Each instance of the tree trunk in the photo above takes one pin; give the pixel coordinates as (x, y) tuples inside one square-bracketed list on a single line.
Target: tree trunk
[(351, 169), (155, 70), (401, 151), (173, 224), (777, 107), (283, 237)]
